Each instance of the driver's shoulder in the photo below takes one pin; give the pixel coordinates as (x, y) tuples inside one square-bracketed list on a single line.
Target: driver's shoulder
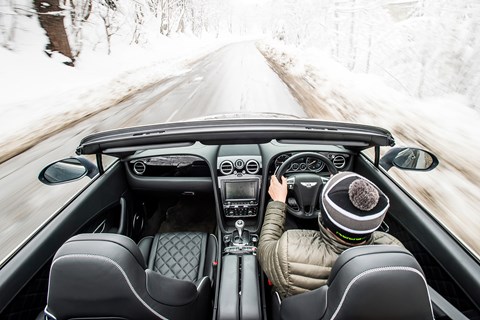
[(302, 232), (384, 238), (299, 236), (304, 246)]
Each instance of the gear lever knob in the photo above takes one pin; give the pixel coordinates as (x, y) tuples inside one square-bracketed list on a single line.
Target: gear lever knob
[(239, 224)]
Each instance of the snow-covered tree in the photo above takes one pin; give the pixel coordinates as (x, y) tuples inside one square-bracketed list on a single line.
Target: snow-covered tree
[(8, 22), (80, 11), (426, 47)]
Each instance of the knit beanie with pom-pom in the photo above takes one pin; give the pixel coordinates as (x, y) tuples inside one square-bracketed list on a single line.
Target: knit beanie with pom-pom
[(352, 207)]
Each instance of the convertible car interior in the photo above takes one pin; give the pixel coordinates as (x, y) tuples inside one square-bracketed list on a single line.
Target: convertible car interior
[(170, 229)]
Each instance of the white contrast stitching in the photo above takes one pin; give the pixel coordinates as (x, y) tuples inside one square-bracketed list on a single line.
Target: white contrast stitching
[(105, 259), (380, 270), (278, 298), (201, 282), (49, 314)]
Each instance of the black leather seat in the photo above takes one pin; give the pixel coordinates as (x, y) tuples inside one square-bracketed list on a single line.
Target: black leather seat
[(180, 255), (105, 276), (368, 282)]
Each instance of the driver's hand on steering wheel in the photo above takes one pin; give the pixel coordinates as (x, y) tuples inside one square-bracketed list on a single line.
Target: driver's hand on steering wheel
[(278, 191)]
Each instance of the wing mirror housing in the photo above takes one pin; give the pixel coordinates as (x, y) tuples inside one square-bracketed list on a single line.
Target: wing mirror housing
[(67, 170), (409, 159)]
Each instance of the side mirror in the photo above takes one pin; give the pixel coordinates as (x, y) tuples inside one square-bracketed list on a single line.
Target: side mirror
[(67, 170), (409, 159)]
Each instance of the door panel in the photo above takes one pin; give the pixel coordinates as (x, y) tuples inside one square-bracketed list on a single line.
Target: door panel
[(432, 245), (114, 219), (100, 201)]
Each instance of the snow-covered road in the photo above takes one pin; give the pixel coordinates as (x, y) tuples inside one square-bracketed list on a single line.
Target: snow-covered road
[(445, 125), (235, 78)]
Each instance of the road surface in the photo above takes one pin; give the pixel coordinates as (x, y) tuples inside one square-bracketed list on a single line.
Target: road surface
[(235, 78)]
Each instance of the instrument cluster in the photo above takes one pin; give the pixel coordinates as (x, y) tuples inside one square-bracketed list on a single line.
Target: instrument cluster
[(309, 164)]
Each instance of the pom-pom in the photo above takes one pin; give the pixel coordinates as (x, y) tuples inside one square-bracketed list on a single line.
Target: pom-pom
[(363, 195)]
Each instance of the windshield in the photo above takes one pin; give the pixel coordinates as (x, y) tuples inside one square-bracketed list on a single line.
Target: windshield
[(70, 68)]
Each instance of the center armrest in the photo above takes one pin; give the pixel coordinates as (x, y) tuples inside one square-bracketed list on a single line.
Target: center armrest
[(239, 273), (250, 306), (228, 300)]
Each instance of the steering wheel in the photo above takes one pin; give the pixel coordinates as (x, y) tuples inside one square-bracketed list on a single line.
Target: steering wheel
[(306, 186)]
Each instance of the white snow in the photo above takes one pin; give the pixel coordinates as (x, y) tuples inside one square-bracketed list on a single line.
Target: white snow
[(39, 94), (36, 89), (235, 79), (445, 125)]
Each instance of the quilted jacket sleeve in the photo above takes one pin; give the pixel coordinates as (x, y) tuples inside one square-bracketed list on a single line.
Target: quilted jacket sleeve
[(272, 230), (380, 237)]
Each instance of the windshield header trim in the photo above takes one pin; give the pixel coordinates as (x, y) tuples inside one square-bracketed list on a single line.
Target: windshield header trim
[(237, 131)]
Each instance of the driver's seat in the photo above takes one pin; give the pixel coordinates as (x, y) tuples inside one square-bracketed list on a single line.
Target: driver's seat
[(368, 282)]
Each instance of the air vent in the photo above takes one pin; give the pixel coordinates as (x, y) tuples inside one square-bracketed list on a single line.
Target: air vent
[(226, 167), (139, 167), (252, 166), (239, 164), (339, 162)]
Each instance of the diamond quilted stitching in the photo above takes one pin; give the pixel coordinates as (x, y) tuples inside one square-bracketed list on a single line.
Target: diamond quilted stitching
[(178, 255)]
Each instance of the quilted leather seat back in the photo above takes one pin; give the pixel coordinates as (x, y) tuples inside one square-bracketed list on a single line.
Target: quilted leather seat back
[(104, 276), (179, 255)]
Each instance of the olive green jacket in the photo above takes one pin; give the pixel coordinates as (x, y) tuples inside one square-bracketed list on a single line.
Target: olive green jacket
[(298, 261)]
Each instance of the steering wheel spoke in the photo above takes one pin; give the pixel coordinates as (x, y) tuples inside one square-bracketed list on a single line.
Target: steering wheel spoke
[(305, 187), (291, 183)]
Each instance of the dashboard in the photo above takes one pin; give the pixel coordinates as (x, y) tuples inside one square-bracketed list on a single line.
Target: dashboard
[(312, 165), (238, 175), (170, 166)]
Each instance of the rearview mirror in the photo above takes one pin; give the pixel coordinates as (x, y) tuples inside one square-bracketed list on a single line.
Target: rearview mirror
[(409, 159), (67, 170)]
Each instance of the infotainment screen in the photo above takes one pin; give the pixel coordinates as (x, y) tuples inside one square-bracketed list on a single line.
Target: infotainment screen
[(240, 190)]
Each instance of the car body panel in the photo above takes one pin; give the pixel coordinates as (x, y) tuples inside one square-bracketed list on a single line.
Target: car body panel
[(120, 200), (236, 132), (436, 240), (103, 193)]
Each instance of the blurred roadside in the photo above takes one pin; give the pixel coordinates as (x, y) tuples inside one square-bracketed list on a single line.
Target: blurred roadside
[(34, 109), (46, 123), (445, 125), (208, 88)]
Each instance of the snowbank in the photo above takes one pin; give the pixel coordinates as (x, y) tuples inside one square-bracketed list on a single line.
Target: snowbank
[(42, 95), (444, 125)]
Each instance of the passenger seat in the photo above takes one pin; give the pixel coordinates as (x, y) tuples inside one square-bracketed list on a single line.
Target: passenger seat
[(181, 255), (100, 276)]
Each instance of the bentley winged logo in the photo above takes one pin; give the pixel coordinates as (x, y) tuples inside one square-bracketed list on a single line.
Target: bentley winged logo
[(308, 184)]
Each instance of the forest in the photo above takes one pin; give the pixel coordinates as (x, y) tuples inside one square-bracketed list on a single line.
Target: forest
[(424, 48), (412, 66)]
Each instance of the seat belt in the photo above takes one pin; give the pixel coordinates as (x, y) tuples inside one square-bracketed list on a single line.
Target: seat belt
[(444, 307)]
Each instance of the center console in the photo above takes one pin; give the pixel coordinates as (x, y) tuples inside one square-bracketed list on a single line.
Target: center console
[(239, 169), (241, 241), (240, 195), (239, 294)]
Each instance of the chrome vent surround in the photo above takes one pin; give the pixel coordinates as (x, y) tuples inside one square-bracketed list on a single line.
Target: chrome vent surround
[(252, 166), (226, 167), (139, 167), (339, 162)]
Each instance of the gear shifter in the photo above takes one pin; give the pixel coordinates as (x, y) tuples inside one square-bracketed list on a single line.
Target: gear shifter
[(239, 224), (240, 241)]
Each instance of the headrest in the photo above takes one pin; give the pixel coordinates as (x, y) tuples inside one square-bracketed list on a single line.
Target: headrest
[(377, 282), (105, 276), (104, 244)]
